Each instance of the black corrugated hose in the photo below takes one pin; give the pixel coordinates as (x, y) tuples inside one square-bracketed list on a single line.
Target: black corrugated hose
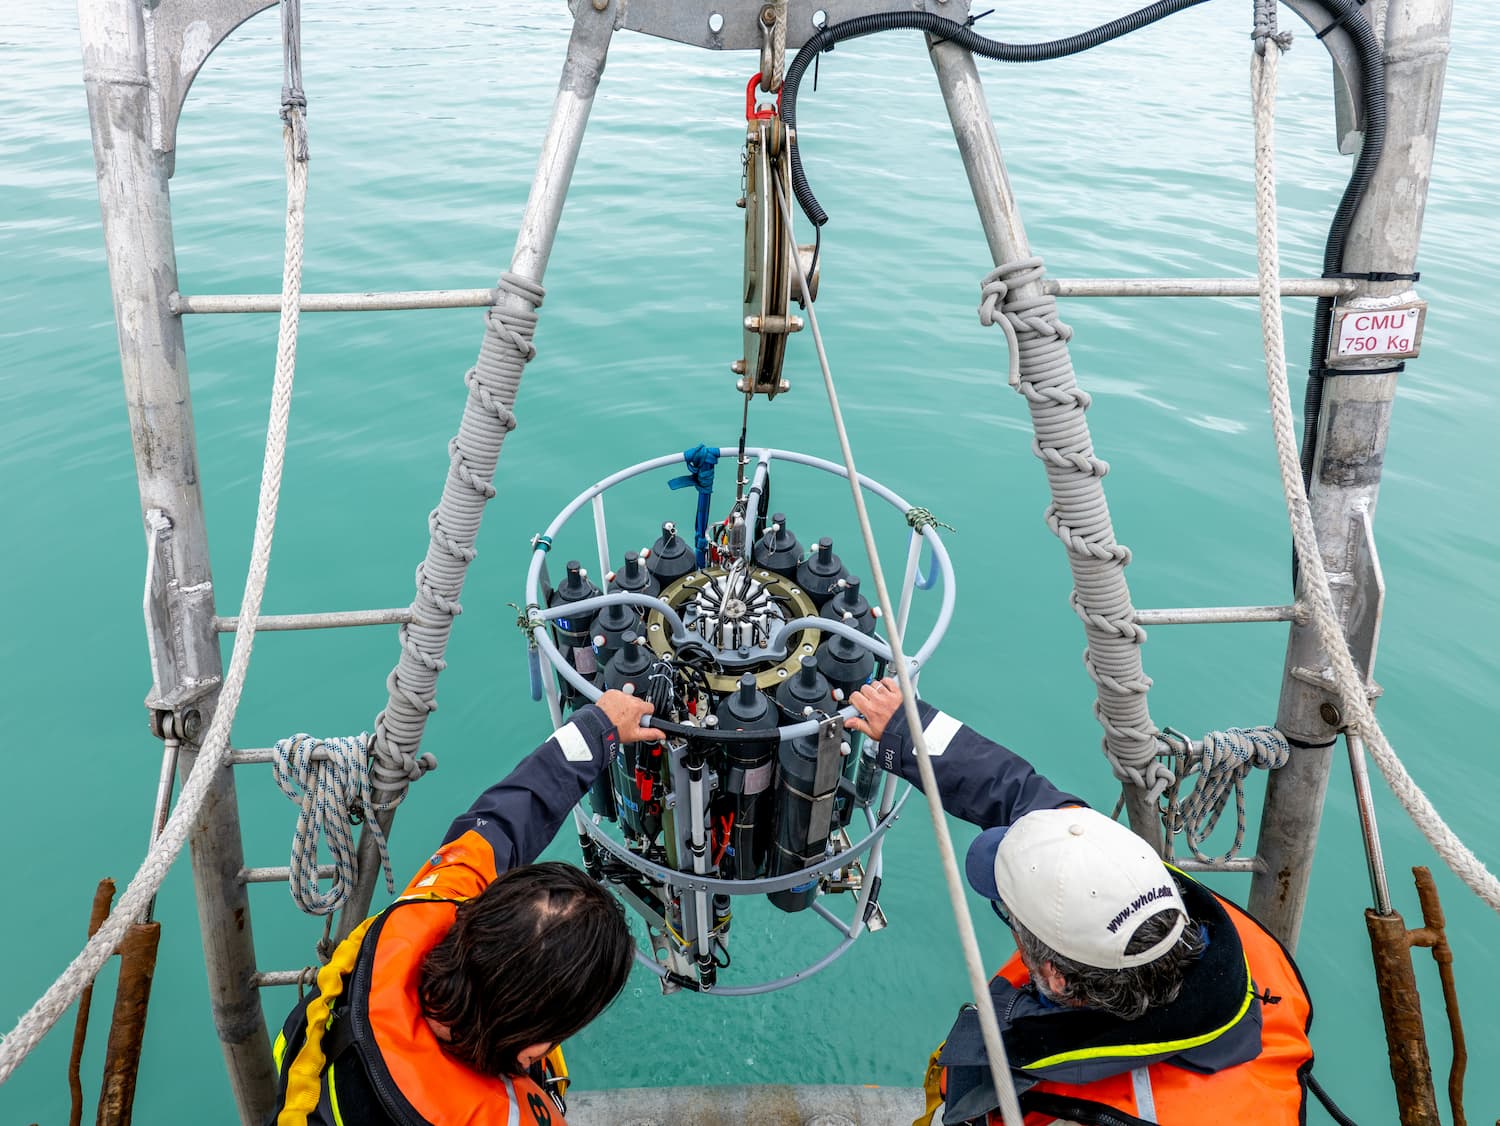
[(1346, 13)]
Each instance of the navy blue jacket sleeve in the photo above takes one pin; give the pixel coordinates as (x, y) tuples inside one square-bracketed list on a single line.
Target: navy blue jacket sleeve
[(979, 781), (519, 815)]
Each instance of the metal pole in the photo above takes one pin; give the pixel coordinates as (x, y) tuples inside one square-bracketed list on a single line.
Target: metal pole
[(1192, 287), (1354, 423), (219, 303), (1380, 889), (333, 619), (183, 304), (136, 209), (1001, 219), (588, 48), (1215, 615)]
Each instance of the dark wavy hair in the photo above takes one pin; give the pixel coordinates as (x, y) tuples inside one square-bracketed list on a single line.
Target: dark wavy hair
[(1126, 993), (530, 960)]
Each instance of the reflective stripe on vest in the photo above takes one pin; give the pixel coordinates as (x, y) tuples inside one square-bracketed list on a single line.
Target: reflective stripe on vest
[(1268, 1089)]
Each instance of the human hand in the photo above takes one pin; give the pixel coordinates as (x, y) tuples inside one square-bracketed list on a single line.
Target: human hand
[(876, 702), (627, 713)]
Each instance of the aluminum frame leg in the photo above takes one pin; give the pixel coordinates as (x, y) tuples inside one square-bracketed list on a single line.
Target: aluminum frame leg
[(588, 49), (136, 208), (1003, 230), (1354, 422)]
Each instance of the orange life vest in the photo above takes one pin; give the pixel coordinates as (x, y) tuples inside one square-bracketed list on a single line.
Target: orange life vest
[(440, 1089), (1270, 1089), (417, 1083)]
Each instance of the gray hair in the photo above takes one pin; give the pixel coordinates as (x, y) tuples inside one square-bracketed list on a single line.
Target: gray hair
[(1126, 993)]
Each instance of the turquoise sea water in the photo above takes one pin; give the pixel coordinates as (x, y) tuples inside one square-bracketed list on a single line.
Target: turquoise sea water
[(425, 123)]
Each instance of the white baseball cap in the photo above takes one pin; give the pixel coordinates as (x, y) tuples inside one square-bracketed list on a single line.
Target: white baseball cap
[(1080, 882)]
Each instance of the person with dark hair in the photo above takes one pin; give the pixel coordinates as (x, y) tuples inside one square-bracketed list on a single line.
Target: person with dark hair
[(1137, 996), (449, 1006)]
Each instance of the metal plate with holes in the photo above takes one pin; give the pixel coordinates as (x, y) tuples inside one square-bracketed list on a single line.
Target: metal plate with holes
[(768, 672), (734, 25), (768, 275)]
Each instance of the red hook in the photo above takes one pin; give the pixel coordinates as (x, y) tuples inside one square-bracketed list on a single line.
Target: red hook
[(752, 112)]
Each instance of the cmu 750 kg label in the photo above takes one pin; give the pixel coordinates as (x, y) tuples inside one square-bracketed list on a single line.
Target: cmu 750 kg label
[(1391, 332)]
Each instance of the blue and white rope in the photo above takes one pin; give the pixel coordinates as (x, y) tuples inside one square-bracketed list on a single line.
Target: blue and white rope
[(1222, 761), (333, 791)]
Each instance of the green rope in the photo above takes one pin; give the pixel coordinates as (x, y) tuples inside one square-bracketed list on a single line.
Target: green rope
[(920, 519)]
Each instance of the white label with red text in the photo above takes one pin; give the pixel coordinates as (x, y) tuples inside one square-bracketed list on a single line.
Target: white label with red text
[(1390, 333)]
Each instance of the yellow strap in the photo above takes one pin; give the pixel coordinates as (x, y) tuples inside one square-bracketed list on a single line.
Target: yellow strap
[(932, 1083), (557, 1069), (304, 1082)]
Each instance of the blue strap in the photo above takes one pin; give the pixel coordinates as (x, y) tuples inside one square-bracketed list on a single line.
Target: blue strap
[(700, 460), (930, 579)]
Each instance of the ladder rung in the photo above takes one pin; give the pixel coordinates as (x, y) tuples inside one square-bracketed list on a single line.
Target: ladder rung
[(1193, 287), (259, 756), (1216, 615), (280, 977), (332, 619), (281, 874), (181, 303), (1243, 864)]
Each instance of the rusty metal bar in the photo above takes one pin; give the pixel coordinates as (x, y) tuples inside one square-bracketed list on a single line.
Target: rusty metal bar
[(1434, 935), (104, 895), (1401, 1009), (127, 1028)]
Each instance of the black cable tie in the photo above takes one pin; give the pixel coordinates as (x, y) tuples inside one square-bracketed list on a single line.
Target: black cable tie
[(970, 22), (1338, 22), (1375, 275), (1310, 746), (1325, 372)]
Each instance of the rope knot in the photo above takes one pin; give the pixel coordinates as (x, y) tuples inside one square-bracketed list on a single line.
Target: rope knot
[(330, 780), (1036, 315), (1222, 761), (920, 519)]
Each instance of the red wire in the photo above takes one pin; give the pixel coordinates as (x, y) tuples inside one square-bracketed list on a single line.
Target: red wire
[(727, 823)]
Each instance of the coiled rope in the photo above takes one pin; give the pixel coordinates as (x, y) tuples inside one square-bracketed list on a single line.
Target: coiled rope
[(214, 752), (1222, 760), (1042, 371), (1348, 683), (454, 528), (329, 779)]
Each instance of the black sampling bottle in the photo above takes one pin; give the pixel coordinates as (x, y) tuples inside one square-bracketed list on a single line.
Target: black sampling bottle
[(671, 556), (635, 578), (778, 550), (820, 572), (742, 815), (635, 771), (809, 770), (573, 633)]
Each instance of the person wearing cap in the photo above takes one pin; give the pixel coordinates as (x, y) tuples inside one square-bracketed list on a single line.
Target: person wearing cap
[(1136, 994)]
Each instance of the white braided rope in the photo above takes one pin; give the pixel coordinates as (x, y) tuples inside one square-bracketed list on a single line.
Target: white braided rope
[(994, 1045), (212, 757), (1350, 685), (329, 779)]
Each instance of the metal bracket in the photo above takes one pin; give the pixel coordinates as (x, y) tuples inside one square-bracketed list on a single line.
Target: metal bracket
[(1366, 601), (180, 35), (1348, 74), (768, 270), (179, 624)]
